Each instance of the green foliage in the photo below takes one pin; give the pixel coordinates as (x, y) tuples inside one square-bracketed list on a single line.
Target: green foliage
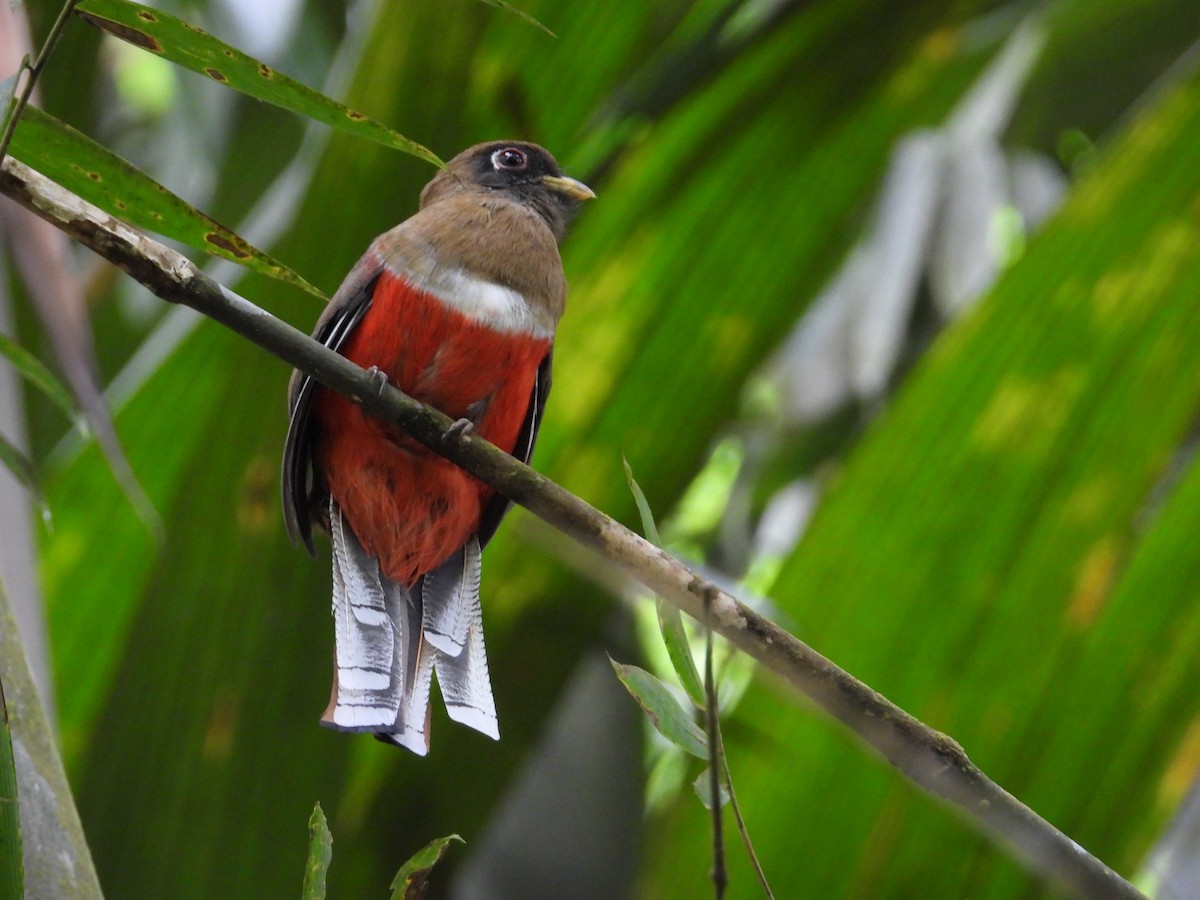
[(12, 865), (670, 621), (703, 788), (519, 13), (320, 854), (35, 372), (665, 712), (8, 93), (86, 168), (992, 558), (1009, 553), (18, 465), (186, 45), (411, 882), (55, 861), (32, 369)]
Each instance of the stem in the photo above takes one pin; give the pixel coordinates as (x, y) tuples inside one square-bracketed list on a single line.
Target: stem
[(22, 99), (925, 756), (715, 758), (727, 775)]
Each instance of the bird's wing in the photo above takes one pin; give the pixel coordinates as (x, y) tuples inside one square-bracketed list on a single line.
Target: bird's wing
[(301, 495), (522, 450)]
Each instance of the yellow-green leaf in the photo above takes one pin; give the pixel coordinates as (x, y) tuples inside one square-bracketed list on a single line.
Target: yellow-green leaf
[(520, 14), (12, 874), (193, 48), (666, 714), (35, 372), (320, 854), (19, 465), (409, 883), (121, 189)]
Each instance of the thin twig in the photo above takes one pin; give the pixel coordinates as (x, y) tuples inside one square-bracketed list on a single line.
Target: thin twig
[(21, 100), (741, 822), (720, 877), (927, 757)]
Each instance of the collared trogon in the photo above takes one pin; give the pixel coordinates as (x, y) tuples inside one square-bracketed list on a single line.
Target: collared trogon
[(457, 307)]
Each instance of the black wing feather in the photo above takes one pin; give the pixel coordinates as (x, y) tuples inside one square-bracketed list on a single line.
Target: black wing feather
[(522, 450), (300, 492)]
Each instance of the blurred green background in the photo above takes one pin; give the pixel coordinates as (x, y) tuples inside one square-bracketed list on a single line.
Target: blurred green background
[(918, 281)]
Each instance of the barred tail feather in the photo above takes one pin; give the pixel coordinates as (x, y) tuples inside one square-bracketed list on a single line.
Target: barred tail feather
[(464, 681), (368, 641), (410, 729), (412, 725), (448, 594), (389, 644), (451, 647), (453, 623)]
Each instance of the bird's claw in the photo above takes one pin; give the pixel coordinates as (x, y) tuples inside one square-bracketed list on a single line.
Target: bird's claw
[(379, 378), (458, 431)]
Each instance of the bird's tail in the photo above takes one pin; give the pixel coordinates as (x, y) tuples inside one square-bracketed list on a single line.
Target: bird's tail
[(390, 642)]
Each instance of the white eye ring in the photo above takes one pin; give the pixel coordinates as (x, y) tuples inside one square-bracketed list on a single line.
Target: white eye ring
[(509, 159)]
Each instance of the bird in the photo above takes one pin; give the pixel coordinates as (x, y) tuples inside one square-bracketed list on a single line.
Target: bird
[(457, 307)]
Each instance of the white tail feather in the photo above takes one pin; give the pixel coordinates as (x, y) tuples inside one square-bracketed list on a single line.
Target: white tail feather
[(413, 730), (464, 681), (388, 647), (448, 594), (367, 640)]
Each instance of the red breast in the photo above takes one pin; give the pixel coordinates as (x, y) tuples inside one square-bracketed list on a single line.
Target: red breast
[(408, 506)]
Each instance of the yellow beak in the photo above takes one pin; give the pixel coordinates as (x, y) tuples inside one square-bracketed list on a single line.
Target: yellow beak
[(575, 190)]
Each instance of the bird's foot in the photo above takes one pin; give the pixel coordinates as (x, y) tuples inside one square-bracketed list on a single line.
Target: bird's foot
[(378, 378), (458, 431)]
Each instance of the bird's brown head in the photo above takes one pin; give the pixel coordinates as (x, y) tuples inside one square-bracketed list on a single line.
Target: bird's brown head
[(522, 172)]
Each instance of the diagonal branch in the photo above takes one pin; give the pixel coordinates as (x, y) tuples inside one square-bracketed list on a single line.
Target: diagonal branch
[(927, 757)]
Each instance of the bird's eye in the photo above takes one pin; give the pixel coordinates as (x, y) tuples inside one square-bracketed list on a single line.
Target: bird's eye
[(510, 159)]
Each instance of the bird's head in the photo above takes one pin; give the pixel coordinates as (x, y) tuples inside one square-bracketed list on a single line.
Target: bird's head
[(522, 172)]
